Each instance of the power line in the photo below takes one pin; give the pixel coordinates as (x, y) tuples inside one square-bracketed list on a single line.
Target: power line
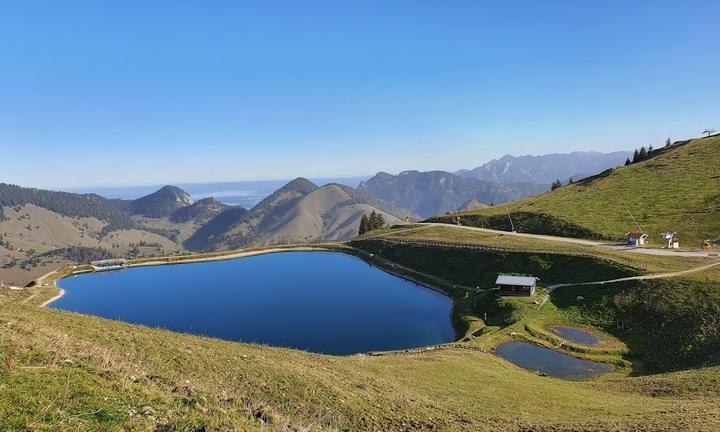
[(512, 225), (636, 222)]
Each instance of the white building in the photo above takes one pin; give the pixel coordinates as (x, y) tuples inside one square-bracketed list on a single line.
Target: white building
[(636, 238)]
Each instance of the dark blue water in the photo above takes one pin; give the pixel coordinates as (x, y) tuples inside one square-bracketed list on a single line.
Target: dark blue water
[(577, 336), (323, 302), (551, 362)]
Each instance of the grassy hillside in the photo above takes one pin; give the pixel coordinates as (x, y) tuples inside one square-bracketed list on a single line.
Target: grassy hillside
[(677, 188), (69, 371), (35, 222), (328, 213), (299, 212), (29, 234), (667, 324)]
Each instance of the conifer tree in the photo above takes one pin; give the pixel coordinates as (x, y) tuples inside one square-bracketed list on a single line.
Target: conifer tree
[(363, 225), (372, 222), (556, 184), (627, 162)]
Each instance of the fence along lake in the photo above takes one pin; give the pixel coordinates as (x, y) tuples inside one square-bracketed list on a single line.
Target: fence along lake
[(323, 302)]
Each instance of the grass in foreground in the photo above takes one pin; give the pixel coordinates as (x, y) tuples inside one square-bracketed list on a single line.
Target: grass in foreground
[(84, 373)]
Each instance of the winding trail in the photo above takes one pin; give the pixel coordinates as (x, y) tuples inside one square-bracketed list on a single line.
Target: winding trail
[(582, 242), (641, 277), (242, 253), (570, 240)]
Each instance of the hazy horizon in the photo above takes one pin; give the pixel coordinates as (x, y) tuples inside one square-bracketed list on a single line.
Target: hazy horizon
[(99, 95), (243, 193)]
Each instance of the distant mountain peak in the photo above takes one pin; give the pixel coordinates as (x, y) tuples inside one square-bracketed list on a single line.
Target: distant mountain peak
[(544, 169), (298, 212), (301, 185), (200, 211), (162, 202)]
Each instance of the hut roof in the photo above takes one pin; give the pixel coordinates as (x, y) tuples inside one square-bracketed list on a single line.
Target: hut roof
[(636, 235), (516, 280)]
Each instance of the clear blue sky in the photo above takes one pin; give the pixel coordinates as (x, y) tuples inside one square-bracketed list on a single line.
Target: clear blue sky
[(152, 92)]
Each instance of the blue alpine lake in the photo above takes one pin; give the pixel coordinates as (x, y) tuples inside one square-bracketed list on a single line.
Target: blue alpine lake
[(323, 302)]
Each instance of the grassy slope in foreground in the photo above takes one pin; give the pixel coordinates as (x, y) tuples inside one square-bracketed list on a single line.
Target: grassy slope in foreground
[(84, 373), (74, 372), (677, 189)]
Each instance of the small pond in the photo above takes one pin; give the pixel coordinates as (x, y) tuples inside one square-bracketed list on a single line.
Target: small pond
[(323, 302), (577, 335), (551, 362)]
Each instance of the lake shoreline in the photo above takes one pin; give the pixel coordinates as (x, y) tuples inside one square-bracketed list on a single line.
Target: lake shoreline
[(381, 264), (296, 285), (53, 298), (184, 259), (250, 252)]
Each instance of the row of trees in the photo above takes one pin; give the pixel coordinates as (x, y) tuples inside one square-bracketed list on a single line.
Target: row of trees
[(557, 183), (639, 155), (642, 153), (66, 204), (373, 222)]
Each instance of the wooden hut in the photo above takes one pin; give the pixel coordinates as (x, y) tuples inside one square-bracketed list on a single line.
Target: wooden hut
[(516, 285)]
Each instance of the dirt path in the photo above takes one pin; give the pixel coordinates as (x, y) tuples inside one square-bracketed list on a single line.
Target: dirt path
[(436, 285), (27, 299), (188, 259), (664, 252), (583, 242), (641, 277)]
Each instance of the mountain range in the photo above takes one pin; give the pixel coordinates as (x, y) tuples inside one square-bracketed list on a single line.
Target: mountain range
[(434, 192), (545, 169), (40, 228), (676, 189), (298, 212)]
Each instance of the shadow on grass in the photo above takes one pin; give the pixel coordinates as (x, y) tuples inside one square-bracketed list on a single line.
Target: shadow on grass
[(669, 325)]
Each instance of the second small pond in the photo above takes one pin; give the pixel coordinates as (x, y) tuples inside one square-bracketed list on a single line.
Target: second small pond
[(551, 362), (577, 335)]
